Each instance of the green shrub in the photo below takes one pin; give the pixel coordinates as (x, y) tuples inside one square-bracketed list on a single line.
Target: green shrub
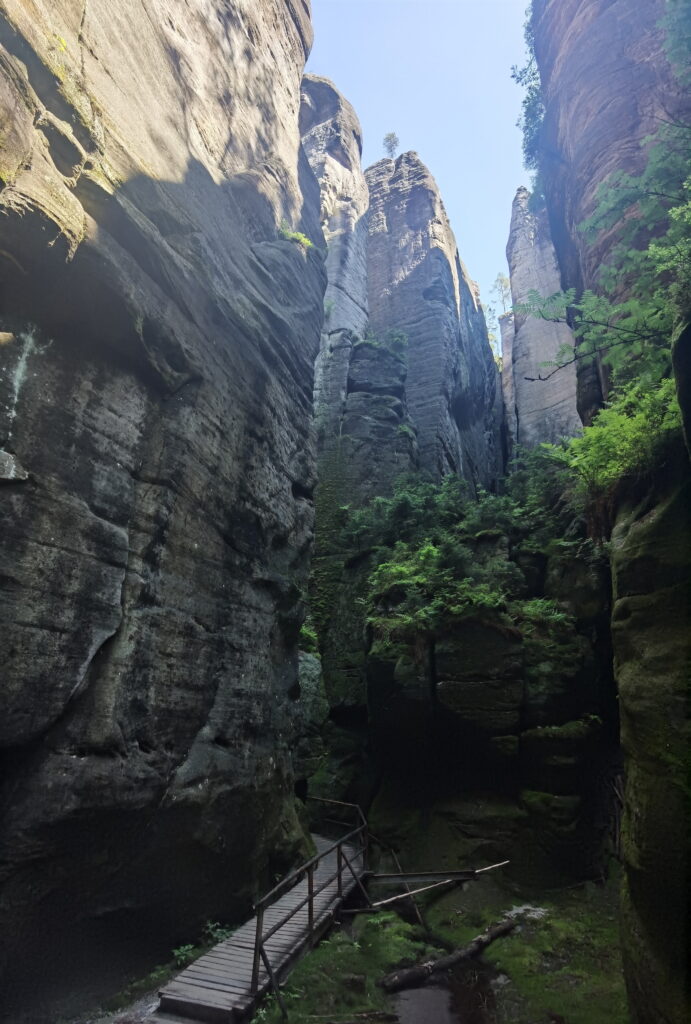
[(626, 438), (298, 237)]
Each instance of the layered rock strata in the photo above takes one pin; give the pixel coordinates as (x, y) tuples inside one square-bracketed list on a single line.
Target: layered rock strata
[(418, 285), (158, 340), (651, 630), (541, 397), (606, 86)]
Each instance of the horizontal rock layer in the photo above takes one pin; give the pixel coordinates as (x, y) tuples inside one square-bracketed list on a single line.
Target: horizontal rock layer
[(158, 340)]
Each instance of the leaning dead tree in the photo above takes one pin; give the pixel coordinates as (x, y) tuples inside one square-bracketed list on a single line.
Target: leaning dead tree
[(413, 977)]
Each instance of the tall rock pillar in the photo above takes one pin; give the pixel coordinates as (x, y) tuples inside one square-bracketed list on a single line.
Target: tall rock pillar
[(418, 285), (544, 410)]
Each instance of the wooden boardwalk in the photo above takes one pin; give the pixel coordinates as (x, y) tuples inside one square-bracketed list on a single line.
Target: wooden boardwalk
[(218, 986)]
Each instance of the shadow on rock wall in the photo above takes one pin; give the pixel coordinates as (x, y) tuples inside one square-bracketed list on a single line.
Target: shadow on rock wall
[(156, 405)]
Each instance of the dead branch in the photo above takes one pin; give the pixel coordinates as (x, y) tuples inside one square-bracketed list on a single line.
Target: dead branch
[(413, 977)]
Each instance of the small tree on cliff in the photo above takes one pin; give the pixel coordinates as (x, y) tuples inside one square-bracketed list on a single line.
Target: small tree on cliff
[(391, 144), (502, 289)]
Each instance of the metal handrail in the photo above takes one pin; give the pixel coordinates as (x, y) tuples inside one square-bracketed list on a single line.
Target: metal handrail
[(290, 880)]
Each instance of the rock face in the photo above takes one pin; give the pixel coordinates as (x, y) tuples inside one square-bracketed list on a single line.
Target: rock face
[(651, 629), (418, 285), (359, 387), (544, 410), (521, 716), (507, 328), (606, 85), (158, 336)]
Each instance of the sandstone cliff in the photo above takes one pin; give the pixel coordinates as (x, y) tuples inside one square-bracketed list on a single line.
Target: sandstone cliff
[(418, 285), (545, 410), (651, 621), (606, 86), (158, 341)]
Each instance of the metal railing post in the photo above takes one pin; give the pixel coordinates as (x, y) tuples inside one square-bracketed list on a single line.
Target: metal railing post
[(339, 861), (310, 906), (258, 947)]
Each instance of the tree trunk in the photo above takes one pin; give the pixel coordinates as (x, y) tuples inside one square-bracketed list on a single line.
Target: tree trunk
[(413, 977)]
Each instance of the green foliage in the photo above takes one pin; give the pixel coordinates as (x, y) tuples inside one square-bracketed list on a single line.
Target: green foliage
[(627, 437), (393, 341), (298, 237), (215, 932), (564, 965), (423, 586), (338, 980), (441, 555), (533, 106), (391, 143), (183, 954), (502, 290), (677, 25), (309, 641)]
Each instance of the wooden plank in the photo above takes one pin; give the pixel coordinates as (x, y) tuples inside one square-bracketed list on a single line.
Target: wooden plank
[(221, 985), (220, 981)]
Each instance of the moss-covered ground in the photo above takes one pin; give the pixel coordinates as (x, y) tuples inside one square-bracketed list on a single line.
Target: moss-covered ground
[(560, 967), (338, 980)]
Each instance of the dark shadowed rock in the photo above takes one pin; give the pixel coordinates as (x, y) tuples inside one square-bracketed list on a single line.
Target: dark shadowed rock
[(651, 630), (159, 336)]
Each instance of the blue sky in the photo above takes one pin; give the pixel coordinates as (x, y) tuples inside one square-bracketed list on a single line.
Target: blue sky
[(437, 72)]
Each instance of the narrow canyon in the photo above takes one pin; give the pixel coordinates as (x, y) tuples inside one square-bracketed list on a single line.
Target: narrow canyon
[(278, 523)]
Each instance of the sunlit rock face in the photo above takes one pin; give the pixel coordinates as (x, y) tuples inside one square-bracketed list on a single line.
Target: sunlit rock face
[(606, 86), (158, 336), (417, 284), (359, 386), (544, 410)]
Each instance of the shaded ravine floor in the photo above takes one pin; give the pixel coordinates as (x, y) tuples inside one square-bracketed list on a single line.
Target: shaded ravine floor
[(564, 967)]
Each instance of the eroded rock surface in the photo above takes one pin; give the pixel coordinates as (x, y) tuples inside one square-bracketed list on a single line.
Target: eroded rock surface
[(419, 286), (651, 629), (158, 340), (545, 410), (607, 86)]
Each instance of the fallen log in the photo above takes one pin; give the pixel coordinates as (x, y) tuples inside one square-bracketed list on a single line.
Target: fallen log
[(413, 977)]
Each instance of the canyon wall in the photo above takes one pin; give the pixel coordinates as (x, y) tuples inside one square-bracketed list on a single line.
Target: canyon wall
[(544, 410), (405, 381), (158, 336), (607, 85)]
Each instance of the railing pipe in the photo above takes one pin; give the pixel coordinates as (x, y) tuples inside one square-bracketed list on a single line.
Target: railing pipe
[(310, 891), (302, 870), (258, 945)]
